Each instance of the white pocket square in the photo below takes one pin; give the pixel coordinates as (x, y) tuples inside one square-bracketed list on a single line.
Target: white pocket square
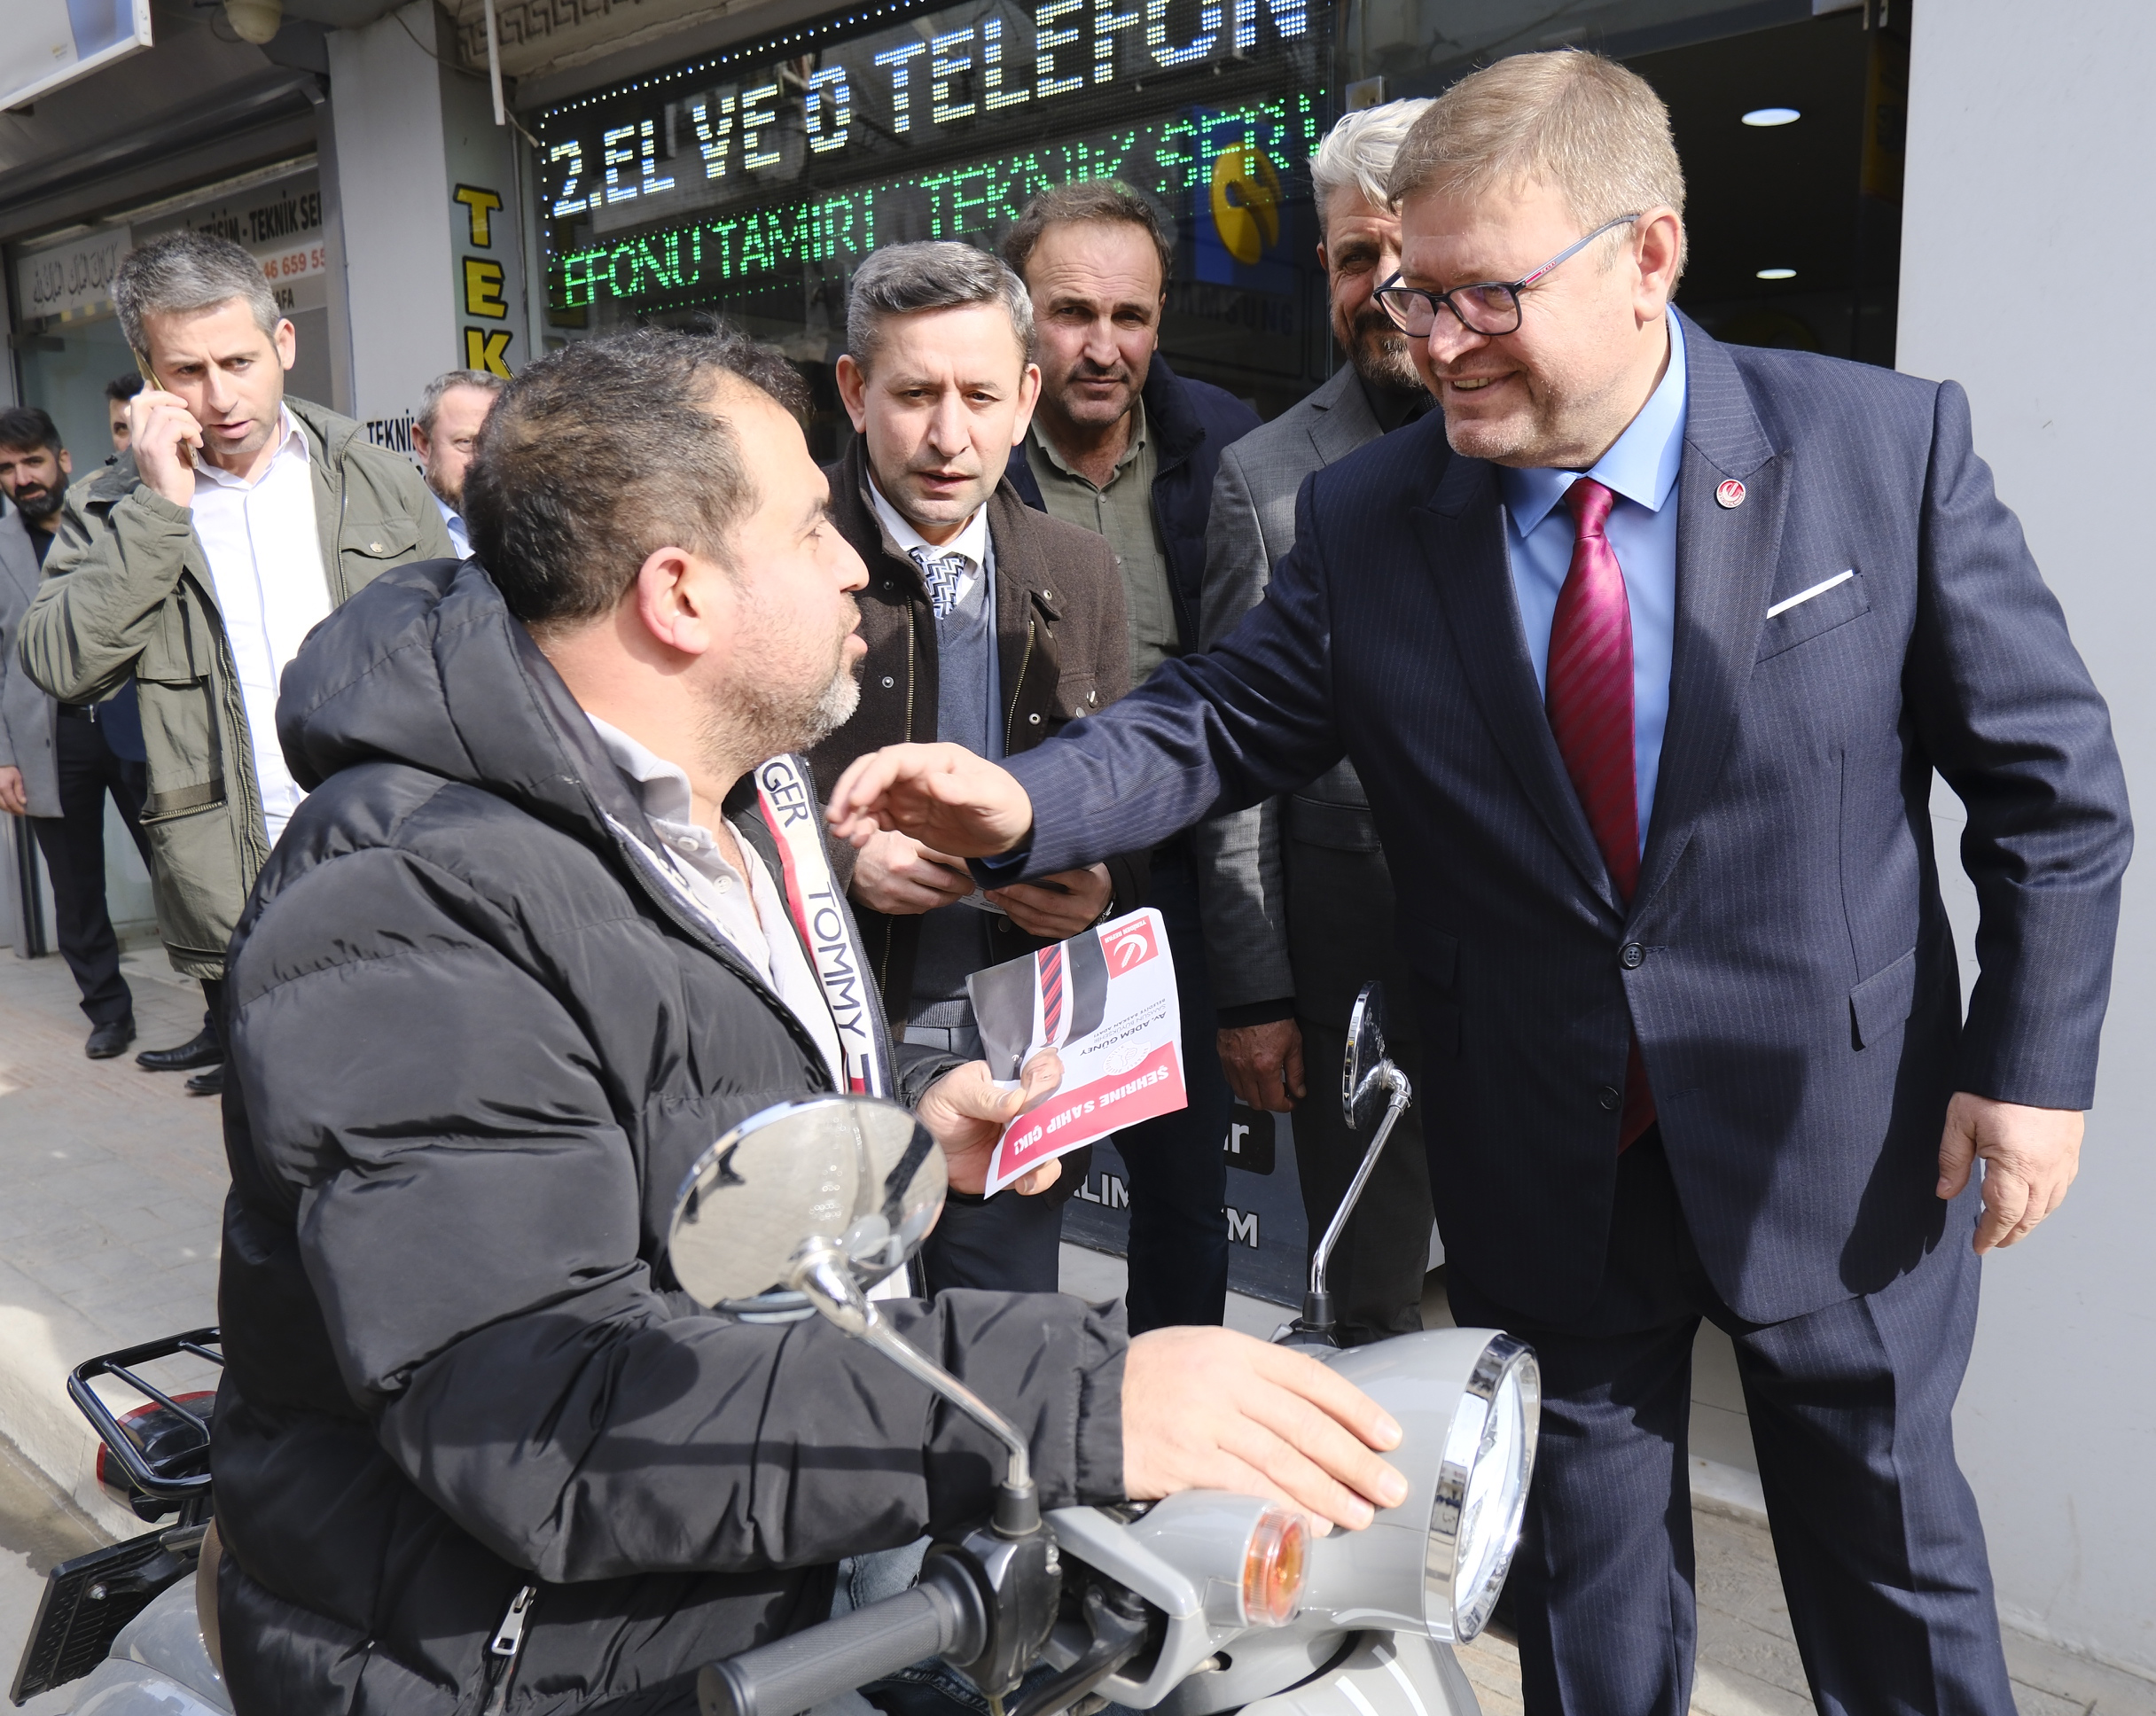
[(1803, 595)]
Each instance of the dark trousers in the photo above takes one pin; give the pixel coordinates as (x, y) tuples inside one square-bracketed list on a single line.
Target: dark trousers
[(1375, 1271), (213, 1008), (1881, 1552), (1178, 1172), (74, 847), (1006, 1244)]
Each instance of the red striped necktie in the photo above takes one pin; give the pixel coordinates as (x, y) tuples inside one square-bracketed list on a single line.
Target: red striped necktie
[(1051, 991), (1589, 700)]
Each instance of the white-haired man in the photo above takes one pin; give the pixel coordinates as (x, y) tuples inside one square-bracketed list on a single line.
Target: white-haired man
[(1649, 677), (197, 562), (1296, 898)]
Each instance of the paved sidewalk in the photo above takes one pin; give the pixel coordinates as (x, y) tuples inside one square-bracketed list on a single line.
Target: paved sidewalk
[(108, 1237), (108, 1233), (1748, 1664)]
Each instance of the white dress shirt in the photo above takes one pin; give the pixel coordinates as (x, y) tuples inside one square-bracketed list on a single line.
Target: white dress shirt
[(977, 547), (748, 912), (265, 559), (972, 541)]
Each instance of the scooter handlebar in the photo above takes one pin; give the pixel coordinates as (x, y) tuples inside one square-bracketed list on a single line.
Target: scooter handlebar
[(942, 1615)]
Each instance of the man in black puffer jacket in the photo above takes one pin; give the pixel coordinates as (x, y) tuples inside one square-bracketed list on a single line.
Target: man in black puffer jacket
[(518, 960)]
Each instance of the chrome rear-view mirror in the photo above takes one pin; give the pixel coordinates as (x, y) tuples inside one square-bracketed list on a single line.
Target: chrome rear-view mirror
[(823, 1198), (861, 1174)]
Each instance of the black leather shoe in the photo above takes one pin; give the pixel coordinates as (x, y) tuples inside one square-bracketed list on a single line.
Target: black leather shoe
[(110, 1040), (204, 1050), (207, 1084)]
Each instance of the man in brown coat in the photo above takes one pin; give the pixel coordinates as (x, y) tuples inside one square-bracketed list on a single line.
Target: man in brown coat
[(988, 624)]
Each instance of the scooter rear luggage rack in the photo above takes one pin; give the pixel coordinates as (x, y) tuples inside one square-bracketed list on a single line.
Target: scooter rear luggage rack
[(161, 1478)]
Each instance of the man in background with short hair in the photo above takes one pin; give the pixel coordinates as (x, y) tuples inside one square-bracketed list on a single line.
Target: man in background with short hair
[(236, 520), (34, 472), (1125, 447), (118, 392), (988, 624), (1298, 901), (56, 763), (451, 412)]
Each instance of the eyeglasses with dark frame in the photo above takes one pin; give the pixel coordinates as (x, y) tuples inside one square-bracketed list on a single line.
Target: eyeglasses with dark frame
[(1491, 306)]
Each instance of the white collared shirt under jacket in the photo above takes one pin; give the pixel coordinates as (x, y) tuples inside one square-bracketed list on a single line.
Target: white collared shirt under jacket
[(748, 911), (264, 551), (973, 542)]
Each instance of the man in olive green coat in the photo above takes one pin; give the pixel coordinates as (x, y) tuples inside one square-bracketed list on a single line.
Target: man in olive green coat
[(197, 563)]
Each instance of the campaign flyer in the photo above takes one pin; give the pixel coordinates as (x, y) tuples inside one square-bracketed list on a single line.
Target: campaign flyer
[(1106, 1001)]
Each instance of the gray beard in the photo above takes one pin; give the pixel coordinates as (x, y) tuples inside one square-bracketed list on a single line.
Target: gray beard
[(833, 709), (1385, 363)]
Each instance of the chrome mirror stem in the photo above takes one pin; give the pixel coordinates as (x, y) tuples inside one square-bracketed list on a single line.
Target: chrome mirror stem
[(821, 1275), (1395, 1081), (1314, 1327)]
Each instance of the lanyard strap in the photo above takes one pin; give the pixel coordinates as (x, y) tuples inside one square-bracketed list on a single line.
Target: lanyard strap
[(787, 792)]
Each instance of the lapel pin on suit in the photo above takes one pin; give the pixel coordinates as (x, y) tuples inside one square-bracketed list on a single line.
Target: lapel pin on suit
[(1730, 494)]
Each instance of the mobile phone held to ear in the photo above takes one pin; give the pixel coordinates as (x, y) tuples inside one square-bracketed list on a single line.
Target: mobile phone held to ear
[(149, 376)]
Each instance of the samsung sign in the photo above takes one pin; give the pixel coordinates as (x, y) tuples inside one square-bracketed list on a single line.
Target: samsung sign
[(633, 156)]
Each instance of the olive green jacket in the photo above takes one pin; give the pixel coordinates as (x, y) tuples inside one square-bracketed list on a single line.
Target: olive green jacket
[(128, 590)]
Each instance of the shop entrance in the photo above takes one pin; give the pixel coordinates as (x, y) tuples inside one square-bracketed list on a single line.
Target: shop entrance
[(1791, 144), (1788, 116)]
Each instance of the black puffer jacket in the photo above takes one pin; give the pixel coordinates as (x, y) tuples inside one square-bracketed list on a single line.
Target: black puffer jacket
[(474, 1055)]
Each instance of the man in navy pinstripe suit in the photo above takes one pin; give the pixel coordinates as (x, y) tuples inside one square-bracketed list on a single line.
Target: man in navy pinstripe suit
[(1648, 685)]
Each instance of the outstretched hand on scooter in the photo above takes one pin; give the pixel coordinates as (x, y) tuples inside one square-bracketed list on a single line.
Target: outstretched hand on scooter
[(1208, 1409)]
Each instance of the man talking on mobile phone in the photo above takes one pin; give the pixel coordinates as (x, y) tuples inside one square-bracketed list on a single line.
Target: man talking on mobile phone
[(196, 562)]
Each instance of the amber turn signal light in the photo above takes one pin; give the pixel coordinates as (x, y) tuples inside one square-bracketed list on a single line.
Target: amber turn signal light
[(1275, 1562)]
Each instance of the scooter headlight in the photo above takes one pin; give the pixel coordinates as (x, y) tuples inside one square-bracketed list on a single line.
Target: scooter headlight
[(1468, 1402), (1481, 1494)]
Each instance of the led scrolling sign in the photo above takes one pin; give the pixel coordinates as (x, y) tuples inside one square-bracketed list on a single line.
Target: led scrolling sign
[(897, 89), (1175, 158)]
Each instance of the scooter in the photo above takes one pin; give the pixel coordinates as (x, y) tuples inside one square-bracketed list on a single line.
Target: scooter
[(1200, 1603), (1204, 1602)]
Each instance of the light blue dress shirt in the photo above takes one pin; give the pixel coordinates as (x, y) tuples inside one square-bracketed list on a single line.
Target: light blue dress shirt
[(1641, 470), (458, 541)]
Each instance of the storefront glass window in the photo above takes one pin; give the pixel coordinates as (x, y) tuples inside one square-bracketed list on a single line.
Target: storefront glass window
[(1419, 46), (751, 184)]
